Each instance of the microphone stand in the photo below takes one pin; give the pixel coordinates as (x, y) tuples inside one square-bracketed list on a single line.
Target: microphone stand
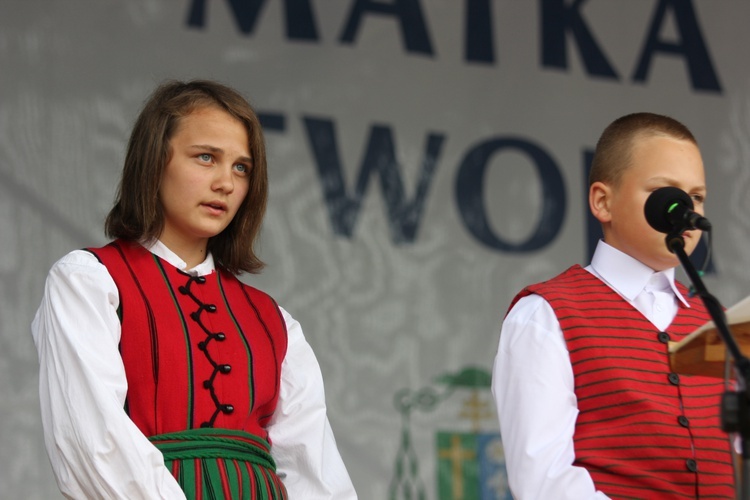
[(735, 407)]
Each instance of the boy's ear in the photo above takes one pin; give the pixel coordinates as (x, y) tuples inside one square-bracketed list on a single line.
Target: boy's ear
[(600, 195)]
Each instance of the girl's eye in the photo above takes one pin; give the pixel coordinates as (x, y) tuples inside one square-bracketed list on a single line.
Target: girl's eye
[(697, 198), (204, 157), (241, 168)]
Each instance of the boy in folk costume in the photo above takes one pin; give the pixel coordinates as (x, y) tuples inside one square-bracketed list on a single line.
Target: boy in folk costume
[(588, 405), (162, 375)]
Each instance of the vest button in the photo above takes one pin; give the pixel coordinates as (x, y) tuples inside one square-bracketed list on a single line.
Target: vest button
[(227, 409), (663, 337), (674, 379), (683, 421), (691, 465)]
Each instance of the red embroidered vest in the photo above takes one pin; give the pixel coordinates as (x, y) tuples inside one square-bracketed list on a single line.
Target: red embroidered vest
[(642, 431), (198, 351)]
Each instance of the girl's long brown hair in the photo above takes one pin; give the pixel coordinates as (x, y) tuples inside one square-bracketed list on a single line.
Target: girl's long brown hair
[(137, 213)]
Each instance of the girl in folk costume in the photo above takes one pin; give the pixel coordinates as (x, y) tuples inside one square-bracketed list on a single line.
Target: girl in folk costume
[(162, 375)]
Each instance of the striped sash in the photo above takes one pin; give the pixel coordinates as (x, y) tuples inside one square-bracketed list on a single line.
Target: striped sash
[(221, 464)]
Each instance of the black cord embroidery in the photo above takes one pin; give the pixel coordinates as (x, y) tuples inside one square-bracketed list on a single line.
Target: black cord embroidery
[(223, 368)]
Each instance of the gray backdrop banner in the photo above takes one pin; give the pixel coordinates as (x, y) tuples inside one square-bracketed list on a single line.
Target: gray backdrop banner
[(428, 158)]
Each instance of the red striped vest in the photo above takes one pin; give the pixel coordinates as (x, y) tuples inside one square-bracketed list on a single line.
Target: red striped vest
[(642, 431), (198, 351)]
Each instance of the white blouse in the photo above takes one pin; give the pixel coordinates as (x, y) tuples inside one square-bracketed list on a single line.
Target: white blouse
[(95, 449)]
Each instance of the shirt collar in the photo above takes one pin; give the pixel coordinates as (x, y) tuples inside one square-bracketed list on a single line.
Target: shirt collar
[(161, 250), (628, 276)]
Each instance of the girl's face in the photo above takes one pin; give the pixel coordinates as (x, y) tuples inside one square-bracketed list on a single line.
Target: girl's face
[(206, 178)]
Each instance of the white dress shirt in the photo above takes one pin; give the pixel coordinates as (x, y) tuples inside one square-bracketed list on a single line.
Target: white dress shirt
[(533, 385), (95, 449)]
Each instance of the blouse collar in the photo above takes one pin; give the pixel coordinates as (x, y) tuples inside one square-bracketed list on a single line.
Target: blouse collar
[(159, 249)]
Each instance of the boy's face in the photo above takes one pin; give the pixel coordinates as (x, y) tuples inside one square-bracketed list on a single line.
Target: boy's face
[(657, 161)]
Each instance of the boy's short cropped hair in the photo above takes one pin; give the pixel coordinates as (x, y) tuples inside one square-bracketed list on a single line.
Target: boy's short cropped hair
[(613, 150)]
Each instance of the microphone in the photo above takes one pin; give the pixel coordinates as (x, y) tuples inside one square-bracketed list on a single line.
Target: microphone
[(670, 209)]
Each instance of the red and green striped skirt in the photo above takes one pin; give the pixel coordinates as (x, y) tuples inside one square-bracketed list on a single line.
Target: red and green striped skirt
[(221, 464)]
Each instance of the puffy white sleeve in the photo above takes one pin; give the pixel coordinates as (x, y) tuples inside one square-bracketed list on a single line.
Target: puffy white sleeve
[(532, 382), (302, 443), (95, 449)]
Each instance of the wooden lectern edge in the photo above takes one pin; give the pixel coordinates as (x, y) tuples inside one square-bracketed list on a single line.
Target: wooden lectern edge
[(704, 354)]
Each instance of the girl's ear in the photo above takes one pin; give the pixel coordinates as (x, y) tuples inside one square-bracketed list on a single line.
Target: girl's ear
[(600, 195)]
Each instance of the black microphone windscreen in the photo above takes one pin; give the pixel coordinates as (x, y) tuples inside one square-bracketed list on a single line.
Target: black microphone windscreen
[(658, 205)]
